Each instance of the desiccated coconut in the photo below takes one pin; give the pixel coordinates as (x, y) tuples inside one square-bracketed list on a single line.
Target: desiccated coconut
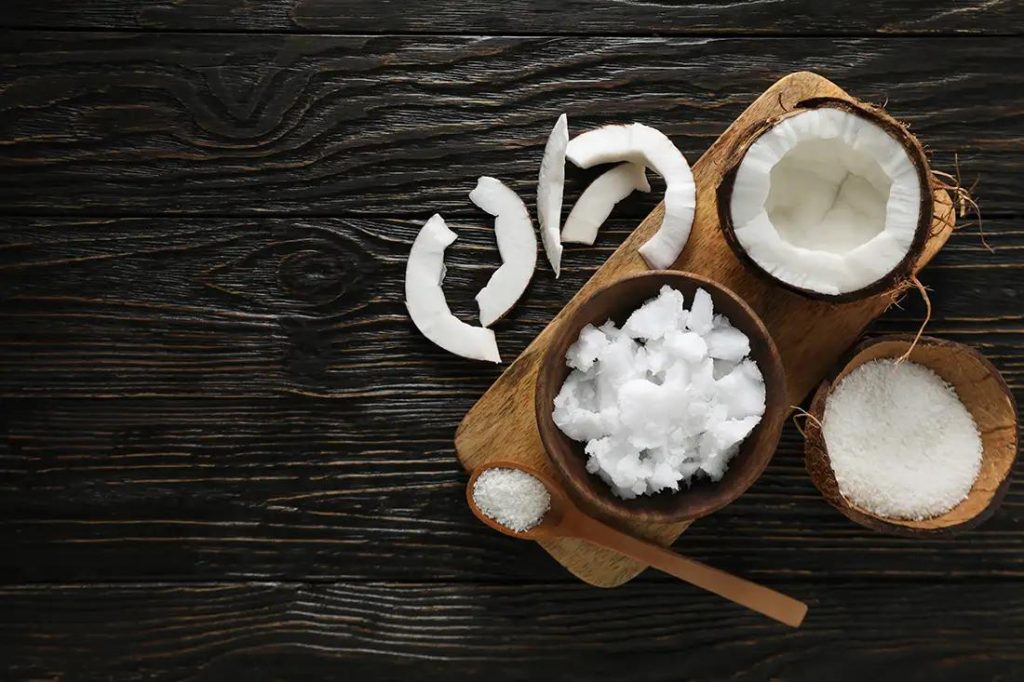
[(512, 497), (900, 442)]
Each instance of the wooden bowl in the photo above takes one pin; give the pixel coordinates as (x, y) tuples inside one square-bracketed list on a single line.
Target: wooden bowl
[(985, 395), (616, 302)]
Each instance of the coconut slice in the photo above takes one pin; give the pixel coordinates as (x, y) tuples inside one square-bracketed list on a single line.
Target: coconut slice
[(550, 183), (517, 245), (642, 144), (832, 201), (599, 198), (425, 300)]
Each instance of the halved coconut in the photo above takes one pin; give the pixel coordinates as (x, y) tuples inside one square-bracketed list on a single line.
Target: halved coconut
[(645, 145), (425, 300), (831, 200), (550, 183), (517, 245), (599, 198)]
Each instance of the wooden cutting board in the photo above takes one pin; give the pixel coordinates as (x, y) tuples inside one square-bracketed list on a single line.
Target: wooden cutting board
[(811, 335)]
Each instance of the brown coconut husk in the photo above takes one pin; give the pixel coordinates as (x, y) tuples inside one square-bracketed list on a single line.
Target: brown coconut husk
[(902, 273), (963, 202), (963, 198), (799, 413), (898, 295)]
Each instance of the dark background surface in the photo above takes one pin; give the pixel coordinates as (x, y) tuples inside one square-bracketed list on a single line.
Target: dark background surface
[(225, 452)]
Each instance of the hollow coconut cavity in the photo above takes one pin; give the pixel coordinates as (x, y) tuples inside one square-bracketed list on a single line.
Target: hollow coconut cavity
[(831, 200)]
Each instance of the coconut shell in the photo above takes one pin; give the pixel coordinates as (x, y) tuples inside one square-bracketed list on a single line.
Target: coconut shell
[(903, 270), (983, 392)]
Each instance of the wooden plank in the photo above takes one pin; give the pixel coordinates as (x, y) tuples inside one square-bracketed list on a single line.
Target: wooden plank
[(810, 335), (155, 427), (788, 17), (442, 632), (274, 307), (401, 127), (193, 489)]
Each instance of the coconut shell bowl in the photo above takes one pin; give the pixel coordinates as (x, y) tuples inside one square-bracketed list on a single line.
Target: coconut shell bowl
[(616, 302), (982, 391)]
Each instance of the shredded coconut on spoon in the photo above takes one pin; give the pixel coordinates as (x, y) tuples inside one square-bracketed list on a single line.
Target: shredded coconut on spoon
[(512, 497), (900, 442)]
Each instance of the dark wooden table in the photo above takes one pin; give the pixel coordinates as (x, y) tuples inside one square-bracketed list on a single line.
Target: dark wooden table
[(225, 452)]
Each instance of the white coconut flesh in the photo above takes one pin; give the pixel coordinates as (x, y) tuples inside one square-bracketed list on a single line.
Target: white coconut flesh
[(517, 244), (826, 201), (642, 144), (425, 299), (550, 184), (599, 198)]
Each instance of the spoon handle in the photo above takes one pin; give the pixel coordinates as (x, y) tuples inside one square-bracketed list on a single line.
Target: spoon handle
[(755, 597)]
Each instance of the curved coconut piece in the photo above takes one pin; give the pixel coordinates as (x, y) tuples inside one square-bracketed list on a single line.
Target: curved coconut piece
[(599, 198), (550, 184), (982, 391), (425, 300), (831, 200), (642, 144), (517, 245)]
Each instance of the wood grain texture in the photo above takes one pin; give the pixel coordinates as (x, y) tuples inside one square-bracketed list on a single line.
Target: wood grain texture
[(401, 127), (207, 374), (632, 17), (242, 308), (155, 427), (153, 489), (389, 631)]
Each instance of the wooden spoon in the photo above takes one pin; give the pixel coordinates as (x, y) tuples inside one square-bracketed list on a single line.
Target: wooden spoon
[(564, 519)]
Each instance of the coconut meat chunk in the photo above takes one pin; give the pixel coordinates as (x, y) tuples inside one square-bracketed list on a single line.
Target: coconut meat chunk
[(644, 145), (425, 299), (517, 245), (826, 200), (599, 198), (550, 185)]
